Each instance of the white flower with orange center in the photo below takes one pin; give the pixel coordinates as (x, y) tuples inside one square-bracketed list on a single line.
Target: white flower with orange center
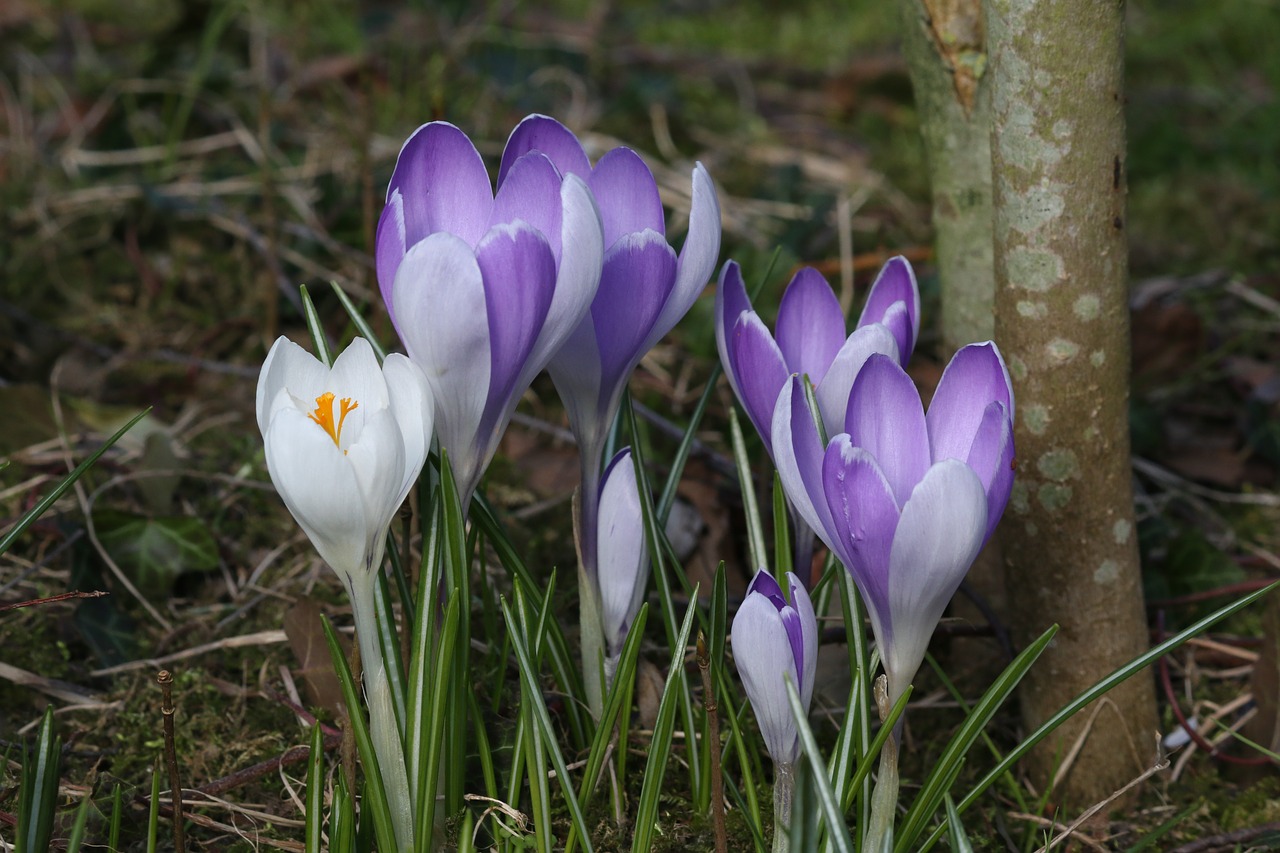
[(344, 445)]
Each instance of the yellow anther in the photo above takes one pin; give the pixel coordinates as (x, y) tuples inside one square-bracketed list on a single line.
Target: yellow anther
[(323, 415)]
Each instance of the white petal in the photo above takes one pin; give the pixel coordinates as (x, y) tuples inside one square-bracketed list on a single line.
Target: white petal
[(697, 257), (623, 557), (942, 527), (319, 487), (413, 408), (287, 366), (439, 298), (356, 374), (833, 391), (798, 454), (378, 461)]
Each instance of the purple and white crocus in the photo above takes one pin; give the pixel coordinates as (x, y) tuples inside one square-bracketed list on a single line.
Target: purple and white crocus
[(904, 499), (483, 289), (811, 341), (622, 555), (773, 640), (645, 286)]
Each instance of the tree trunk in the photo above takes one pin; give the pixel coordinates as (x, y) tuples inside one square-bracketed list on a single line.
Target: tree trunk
[(1061, 261), (944, 42), (945, 50)]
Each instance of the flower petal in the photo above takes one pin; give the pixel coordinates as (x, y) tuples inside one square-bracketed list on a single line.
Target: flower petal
[(627, 195), (731, 302), (545, 134), (623, 556), (319, 487), (697, 257), (444, 184), (578, 273), (519, 282), (864, 516), (356, 374), (810, 328), (991, 458), (974, 378), (439, 296), (885, 417), (761, 372), (895, 283), (287, 366), (531, 194), (762, 653), (833, 392), (414, 409), (378, 461), (942, 528), (639, 271), (798, 453), (809, 624), (389, 246)]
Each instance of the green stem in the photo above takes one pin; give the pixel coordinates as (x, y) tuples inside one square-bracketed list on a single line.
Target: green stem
[(884, 799), (383, 728), (784, 784)]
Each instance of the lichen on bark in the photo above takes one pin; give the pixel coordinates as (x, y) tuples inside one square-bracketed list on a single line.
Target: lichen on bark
[(1061, 309)]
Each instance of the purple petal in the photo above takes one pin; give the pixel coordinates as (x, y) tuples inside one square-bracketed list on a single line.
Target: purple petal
[(545, 134), (942, 528), (795, 636), (764, 584), (798, 454), (809, 624), (731, 302), (833, 393), (519, 281), (895, 283), (864, 516), (810, 328), (758, 365), (991, 458), (578, 274), (389, 247), (531, 193), (698, 256), (444, 184), (885, 417), (627, 195), (639, 272), (975, 377)]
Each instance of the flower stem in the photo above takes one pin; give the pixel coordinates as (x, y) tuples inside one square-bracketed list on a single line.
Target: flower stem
[(884, 799), (384, 728), (784, 784)]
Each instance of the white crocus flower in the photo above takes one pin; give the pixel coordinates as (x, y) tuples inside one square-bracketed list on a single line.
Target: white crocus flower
[(344, 444)]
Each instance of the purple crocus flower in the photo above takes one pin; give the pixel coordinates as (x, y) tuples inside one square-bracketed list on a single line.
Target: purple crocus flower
[(622, 554), (645, 287), (773, 640), (811, 339), (483, 289), (904, 499)]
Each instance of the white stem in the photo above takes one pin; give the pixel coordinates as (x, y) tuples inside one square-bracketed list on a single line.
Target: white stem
[(784, 784)]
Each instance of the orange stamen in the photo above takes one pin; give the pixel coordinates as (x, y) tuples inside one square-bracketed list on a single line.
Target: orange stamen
[(323, 415)]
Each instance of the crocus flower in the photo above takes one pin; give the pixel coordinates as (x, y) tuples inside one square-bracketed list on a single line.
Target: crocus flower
[(772, 641), (483, 288), (811, 339), (622, 554), (645, 287), (344, 444), (904, 499)]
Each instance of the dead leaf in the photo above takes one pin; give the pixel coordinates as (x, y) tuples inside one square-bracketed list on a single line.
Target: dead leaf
[(305, 630)]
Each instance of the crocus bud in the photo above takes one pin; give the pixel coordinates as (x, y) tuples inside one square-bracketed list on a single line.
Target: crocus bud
[(623, 555), (774, 640)]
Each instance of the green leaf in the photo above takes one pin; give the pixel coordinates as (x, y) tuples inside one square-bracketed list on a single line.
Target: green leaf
[(837, 830), (38, 789), (155, 552), (314, 816), (755, 528), (358, 320), (318, 340)]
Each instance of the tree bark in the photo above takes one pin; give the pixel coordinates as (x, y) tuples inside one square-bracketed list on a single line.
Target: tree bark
[(1061, 262), (944, 44)]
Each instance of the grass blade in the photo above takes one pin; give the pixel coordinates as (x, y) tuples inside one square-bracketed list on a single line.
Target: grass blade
[(319, 342), (357, 319), (660, 746), (837, 830), (755, 528), (38, 789), (314, 816)]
